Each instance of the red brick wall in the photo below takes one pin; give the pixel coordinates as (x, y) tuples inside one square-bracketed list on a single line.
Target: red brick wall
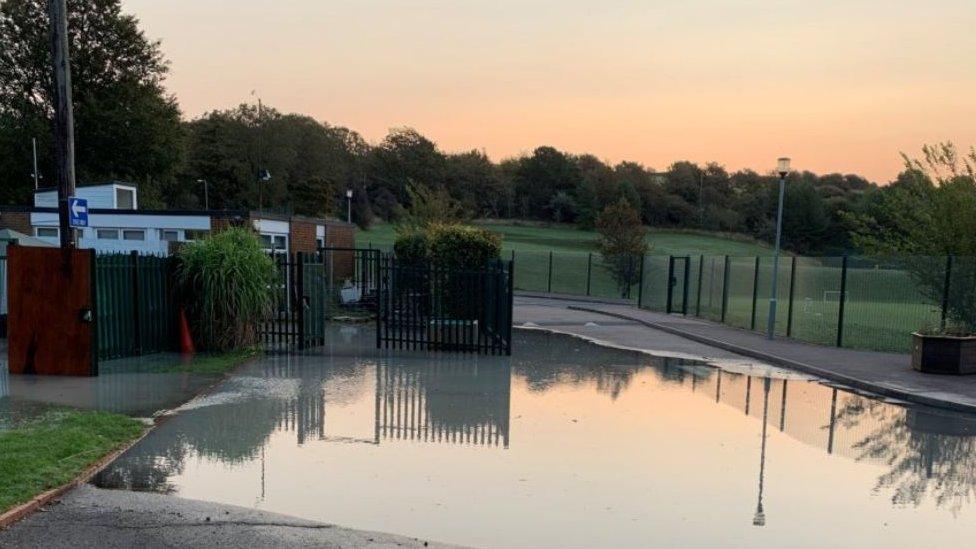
[(17, 221), (341, 236), (302, 238)]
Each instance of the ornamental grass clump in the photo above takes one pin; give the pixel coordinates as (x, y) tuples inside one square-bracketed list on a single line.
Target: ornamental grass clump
[(227, 284)]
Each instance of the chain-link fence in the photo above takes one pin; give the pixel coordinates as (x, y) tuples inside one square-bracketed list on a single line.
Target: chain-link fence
[(854, 302)]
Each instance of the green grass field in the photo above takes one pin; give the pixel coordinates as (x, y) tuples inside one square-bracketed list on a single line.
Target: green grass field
[(51, 450), (568, 239), (883, 305)]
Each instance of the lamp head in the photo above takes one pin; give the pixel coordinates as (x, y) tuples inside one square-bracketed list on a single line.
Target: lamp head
[(783, 166), (348, 193)]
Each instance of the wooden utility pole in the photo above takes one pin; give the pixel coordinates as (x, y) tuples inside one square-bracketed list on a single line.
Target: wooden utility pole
[(64, 123)]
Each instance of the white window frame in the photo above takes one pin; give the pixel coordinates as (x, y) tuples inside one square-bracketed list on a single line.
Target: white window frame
[(164, 232), (98, 234), (132, 232), (57, 232)]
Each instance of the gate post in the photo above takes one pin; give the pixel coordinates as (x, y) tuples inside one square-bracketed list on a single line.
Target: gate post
[(946, 291), (670, 299), (755, 294), (684, 289), (640, 281), (701, 273), (789, 314), (299, 305), (549, 290), (843, 300), (725, 288)]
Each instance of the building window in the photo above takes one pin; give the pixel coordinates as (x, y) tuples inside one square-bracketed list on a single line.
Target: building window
[(107, 234), (319, 243), (47, 232), (133, 234), (125, 199), (191, 234), (168, 235), (274, 242)]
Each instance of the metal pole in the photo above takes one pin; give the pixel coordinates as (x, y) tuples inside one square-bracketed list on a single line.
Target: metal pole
[(771, 324), (34, 149), (549, 285), (789, 314), (843, 302), (349, 209), (206, 194), (64, 123), (755, 294), (945, 291), (725, 288), (589, 272), (640, 282)]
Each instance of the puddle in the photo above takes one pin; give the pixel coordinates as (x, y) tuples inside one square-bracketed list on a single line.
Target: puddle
[(565, 444)]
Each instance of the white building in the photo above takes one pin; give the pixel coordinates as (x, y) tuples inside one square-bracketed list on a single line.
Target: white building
[(115, 224)]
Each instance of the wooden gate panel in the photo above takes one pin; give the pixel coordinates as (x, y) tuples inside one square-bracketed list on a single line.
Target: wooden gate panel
[(51, 311)]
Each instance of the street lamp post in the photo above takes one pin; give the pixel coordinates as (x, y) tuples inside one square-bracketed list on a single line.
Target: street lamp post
[(783, 168), (206, 193), (349, 205)]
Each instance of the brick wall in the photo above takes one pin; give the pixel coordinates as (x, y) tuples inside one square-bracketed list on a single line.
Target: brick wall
[(341, 236), (16, 221), (302, 237)]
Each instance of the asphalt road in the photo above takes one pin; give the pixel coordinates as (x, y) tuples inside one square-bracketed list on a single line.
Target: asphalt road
[(107, 519)]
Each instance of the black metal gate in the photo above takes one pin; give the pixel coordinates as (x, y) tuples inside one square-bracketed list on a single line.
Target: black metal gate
[(443, 309), (299, 317), (352, 277), (679, 271)]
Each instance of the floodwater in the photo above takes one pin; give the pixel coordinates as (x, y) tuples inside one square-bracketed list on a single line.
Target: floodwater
[(565, 444), (138, 386)]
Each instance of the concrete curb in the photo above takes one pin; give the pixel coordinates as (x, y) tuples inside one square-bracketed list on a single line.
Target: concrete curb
[(21, 511), (853, 382), (576, 298)]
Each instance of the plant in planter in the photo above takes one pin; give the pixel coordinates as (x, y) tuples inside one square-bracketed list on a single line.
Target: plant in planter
[(227, 284), (926, 221)]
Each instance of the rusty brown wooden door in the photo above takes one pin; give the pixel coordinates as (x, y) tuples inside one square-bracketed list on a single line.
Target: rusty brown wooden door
[(51, 329)]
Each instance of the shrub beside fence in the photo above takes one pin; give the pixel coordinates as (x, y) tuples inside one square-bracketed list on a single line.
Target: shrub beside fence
[(854, 302)]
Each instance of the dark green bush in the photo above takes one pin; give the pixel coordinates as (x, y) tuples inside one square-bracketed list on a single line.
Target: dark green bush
[(462, 246), (410, 245), (227, 283)]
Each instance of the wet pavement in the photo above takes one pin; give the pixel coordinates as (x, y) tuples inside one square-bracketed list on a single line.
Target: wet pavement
[(566, 444)]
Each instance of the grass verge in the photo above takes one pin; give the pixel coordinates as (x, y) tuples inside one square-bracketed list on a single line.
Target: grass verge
[(212, 363), (56, 447)]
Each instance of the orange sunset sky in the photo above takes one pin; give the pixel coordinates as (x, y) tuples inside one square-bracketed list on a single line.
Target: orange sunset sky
[(839, 85)]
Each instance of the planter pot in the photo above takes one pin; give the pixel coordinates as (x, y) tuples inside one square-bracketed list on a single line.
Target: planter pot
[(938, 354)]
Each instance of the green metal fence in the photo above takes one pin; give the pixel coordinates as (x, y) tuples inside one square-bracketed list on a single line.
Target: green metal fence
[(854, 302), (135, 304)]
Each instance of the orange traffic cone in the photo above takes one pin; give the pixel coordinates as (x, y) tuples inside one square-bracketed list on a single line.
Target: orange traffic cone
[(186, 338)]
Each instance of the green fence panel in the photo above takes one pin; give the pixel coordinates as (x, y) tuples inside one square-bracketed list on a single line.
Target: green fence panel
[(764, 292), (655, 293), (816, 299), (712, 279), (532, 271), (569, 273), (135, 304)]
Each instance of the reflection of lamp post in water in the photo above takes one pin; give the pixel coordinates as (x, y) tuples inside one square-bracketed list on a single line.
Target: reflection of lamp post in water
[(759, 519)]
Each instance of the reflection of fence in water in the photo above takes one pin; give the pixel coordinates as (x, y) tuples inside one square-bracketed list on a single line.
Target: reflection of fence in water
[(444, 401), (809, 412)]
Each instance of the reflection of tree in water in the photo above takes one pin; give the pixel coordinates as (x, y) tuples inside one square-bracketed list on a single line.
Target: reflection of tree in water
[(549, 360), (930, 453)]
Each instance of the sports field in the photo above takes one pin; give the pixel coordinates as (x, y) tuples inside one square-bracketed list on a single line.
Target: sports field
[(568, 239), (883, 304)]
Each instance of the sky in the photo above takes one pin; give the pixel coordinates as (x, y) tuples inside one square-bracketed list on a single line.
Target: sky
[(838, 85)]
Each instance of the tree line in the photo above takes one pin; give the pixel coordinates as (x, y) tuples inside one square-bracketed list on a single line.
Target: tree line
[(128, 127)]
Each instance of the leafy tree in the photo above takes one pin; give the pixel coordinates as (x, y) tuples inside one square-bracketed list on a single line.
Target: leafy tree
[(126, 125), (540, 176), (429, 206), (930, 212), (622, 243), (403, 156), (476, 183), (563, 207)]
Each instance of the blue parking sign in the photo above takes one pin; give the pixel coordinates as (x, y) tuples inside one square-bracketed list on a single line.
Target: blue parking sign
[(77, 212)]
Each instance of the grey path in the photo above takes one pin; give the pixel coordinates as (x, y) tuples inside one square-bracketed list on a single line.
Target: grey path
[(91, 517), (888, 374)]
